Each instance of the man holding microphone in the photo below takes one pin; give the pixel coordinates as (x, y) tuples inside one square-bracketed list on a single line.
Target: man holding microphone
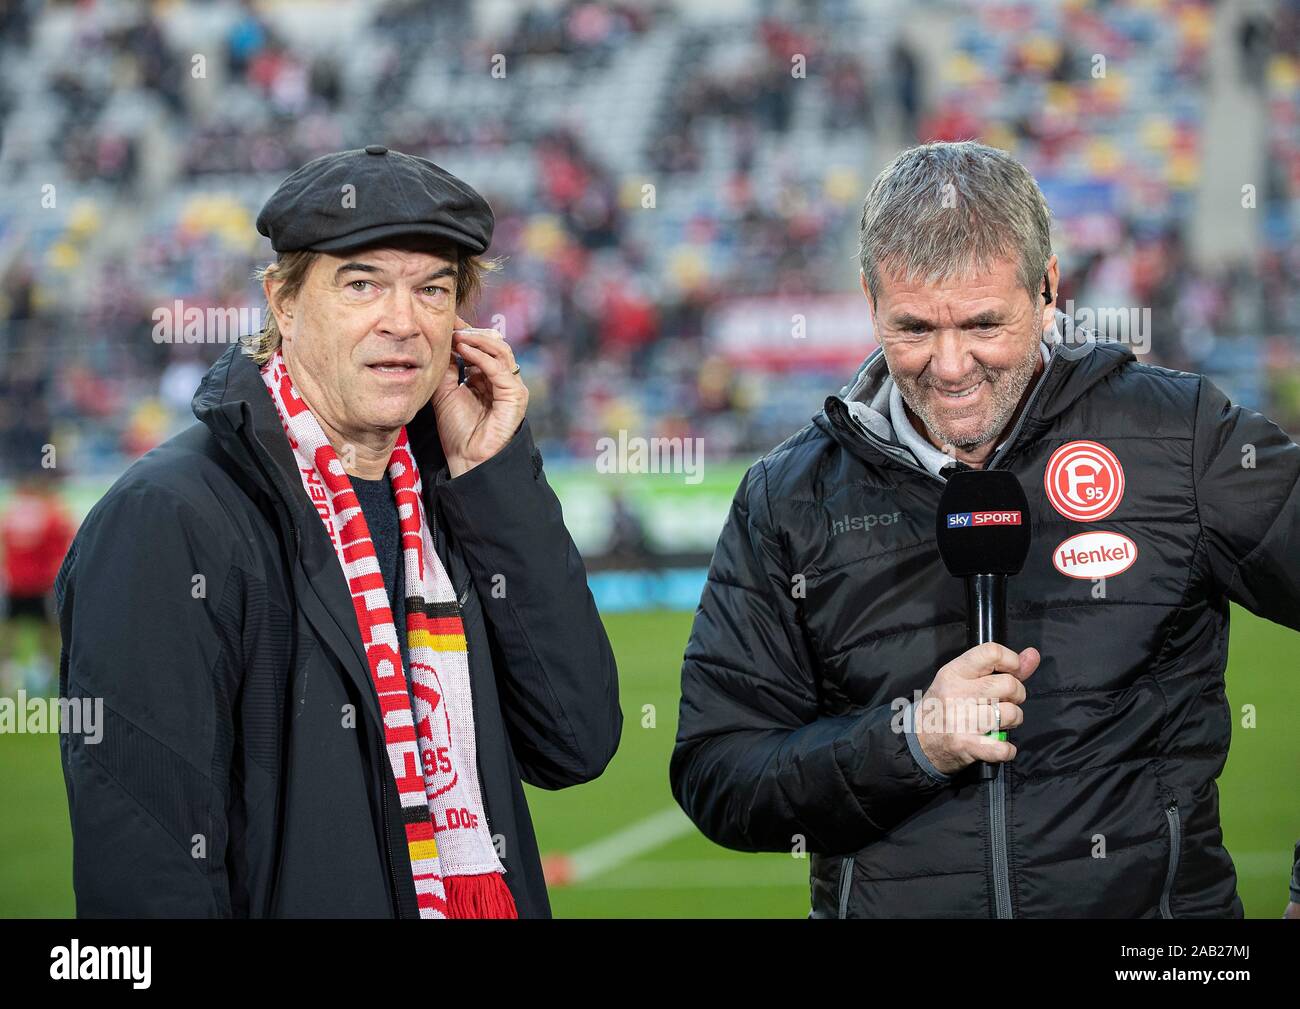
[(1154, 501)]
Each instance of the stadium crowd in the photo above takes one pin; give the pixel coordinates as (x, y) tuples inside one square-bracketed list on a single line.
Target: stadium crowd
[(159, 130)]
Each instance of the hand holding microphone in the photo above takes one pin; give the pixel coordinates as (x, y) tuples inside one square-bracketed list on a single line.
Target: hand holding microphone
[(982, 528), (980, 690)]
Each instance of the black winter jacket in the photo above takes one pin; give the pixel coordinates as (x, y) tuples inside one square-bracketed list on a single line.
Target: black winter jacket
[(203, 602), (826, 600)]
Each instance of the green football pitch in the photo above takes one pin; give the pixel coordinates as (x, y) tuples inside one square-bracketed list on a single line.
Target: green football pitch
[(619, 847)]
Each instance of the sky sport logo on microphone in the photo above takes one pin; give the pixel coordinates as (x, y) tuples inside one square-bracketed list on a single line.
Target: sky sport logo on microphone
[(971, 520)]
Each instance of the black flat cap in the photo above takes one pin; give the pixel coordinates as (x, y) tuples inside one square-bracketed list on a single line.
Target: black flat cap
[(393, 195)]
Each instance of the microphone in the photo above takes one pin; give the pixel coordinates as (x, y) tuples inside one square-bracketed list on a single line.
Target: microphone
[(982, 527)]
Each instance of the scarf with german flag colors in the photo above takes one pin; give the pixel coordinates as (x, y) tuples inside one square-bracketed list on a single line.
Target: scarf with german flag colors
[(431, 749)]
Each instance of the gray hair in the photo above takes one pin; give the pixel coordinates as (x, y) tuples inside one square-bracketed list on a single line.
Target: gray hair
[(948, 209)]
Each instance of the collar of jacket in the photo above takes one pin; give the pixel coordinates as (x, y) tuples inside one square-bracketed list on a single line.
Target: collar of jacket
[(1073, 367), (232, 401)]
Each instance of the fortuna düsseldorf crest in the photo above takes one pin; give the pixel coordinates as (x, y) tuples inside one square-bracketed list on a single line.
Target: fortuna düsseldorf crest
[(1084, 481)]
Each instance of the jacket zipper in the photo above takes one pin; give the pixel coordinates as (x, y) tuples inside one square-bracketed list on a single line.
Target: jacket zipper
[(997, 784), (388, 844), (1175, 844), (998, 827), (478, 763), (846, 884)]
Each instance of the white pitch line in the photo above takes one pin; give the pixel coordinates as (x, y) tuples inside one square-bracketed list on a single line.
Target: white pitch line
[(654, 831), (630, 843)]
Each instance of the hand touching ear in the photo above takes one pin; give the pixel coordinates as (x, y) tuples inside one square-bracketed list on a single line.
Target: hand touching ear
[(478, 417)]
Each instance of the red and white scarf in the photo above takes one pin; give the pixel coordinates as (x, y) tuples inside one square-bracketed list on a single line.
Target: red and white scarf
[(432, 751)]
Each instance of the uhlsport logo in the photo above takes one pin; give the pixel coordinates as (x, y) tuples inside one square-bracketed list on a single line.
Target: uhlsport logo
[(1084, 481), (974, 520), (1095, 555)]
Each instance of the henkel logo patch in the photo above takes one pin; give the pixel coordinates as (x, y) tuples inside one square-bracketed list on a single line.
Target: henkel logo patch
[(1084, 481), (967, 520), (1095, 555)]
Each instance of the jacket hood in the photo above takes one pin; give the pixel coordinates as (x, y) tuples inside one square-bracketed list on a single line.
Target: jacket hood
[(860, 410)]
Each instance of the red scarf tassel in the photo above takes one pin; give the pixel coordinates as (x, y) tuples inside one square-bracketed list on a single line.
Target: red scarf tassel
[(483, 896)]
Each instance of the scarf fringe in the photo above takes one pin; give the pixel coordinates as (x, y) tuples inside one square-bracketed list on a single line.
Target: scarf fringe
[(483, 896)]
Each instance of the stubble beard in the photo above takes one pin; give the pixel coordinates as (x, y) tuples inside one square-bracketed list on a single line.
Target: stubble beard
[(1006, 386)]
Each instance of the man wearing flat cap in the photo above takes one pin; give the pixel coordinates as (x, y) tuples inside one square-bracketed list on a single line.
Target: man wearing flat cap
[(336, 622)]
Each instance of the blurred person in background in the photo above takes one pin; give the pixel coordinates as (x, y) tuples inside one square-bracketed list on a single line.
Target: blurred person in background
[(35, 531), (827, 609)]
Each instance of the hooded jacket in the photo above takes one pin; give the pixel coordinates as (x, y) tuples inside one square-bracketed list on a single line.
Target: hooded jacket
[(827, 606), (241, 771)]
